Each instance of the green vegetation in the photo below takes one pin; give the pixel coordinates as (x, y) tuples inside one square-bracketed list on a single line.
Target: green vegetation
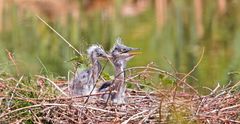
[(38, 50)]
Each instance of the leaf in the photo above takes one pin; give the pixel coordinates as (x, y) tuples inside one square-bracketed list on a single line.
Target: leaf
[(80, 60), (107, 76), (168, 81), (161, 76)]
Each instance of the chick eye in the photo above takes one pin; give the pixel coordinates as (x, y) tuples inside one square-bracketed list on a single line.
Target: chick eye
[(100, 54), (124, 50)]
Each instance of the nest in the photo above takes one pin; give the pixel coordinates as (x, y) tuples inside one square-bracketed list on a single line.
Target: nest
[(221, 106), (43, 100)]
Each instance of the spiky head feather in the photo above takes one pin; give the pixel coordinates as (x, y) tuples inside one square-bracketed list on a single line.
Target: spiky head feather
[(93, 48), (118, 43)]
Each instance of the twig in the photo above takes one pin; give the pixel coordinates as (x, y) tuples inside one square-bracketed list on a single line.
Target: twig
[(160, 111), (215, 90), (59, 35), (199, 61), (151, 112), (9, 102), (40, 61), (193, 69), (219, 118), (59, 89), (11, 58), (170, 63), (164, 72), (33, 100), (199, 106), (35, 116), (134, 117), (56, 104), (230, 107), (238, 83)]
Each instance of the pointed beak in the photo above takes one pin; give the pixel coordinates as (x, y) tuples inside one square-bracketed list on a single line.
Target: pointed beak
[(108, 56), (130, 53), (134, 51)]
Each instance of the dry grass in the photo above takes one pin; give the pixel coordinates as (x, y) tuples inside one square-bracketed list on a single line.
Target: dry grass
[(42, 100)]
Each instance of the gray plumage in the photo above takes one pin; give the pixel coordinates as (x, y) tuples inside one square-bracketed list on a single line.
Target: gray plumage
[(83, 81), (120, 56)]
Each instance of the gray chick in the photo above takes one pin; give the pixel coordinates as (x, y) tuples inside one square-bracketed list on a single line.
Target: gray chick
[(121, 54), (83, 81)]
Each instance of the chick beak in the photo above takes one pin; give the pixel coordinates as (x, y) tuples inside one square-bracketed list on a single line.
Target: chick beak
[(108, 56), (134, 51)]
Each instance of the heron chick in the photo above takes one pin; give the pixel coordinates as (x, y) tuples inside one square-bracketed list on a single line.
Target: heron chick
[(121, 54), (83, 81)]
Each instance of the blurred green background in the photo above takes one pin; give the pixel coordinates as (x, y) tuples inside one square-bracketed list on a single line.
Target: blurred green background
[(165, 30)]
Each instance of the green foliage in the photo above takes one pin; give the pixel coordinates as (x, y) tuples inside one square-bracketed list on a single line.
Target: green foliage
[(166, 80), (107, 76), (28, 39)]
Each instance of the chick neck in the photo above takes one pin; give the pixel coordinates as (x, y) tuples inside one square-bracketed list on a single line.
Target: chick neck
[(96, 67)]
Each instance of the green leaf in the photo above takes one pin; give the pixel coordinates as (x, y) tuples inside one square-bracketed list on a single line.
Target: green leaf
[(106, 76)]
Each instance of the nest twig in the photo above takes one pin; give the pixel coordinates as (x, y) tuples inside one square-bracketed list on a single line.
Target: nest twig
[(23, 102)]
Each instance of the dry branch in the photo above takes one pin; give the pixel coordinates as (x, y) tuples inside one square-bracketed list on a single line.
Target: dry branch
[(158, 105)]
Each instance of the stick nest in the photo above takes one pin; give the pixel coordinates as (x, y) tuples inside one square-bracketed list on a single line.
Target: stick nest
[(44, 100)]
